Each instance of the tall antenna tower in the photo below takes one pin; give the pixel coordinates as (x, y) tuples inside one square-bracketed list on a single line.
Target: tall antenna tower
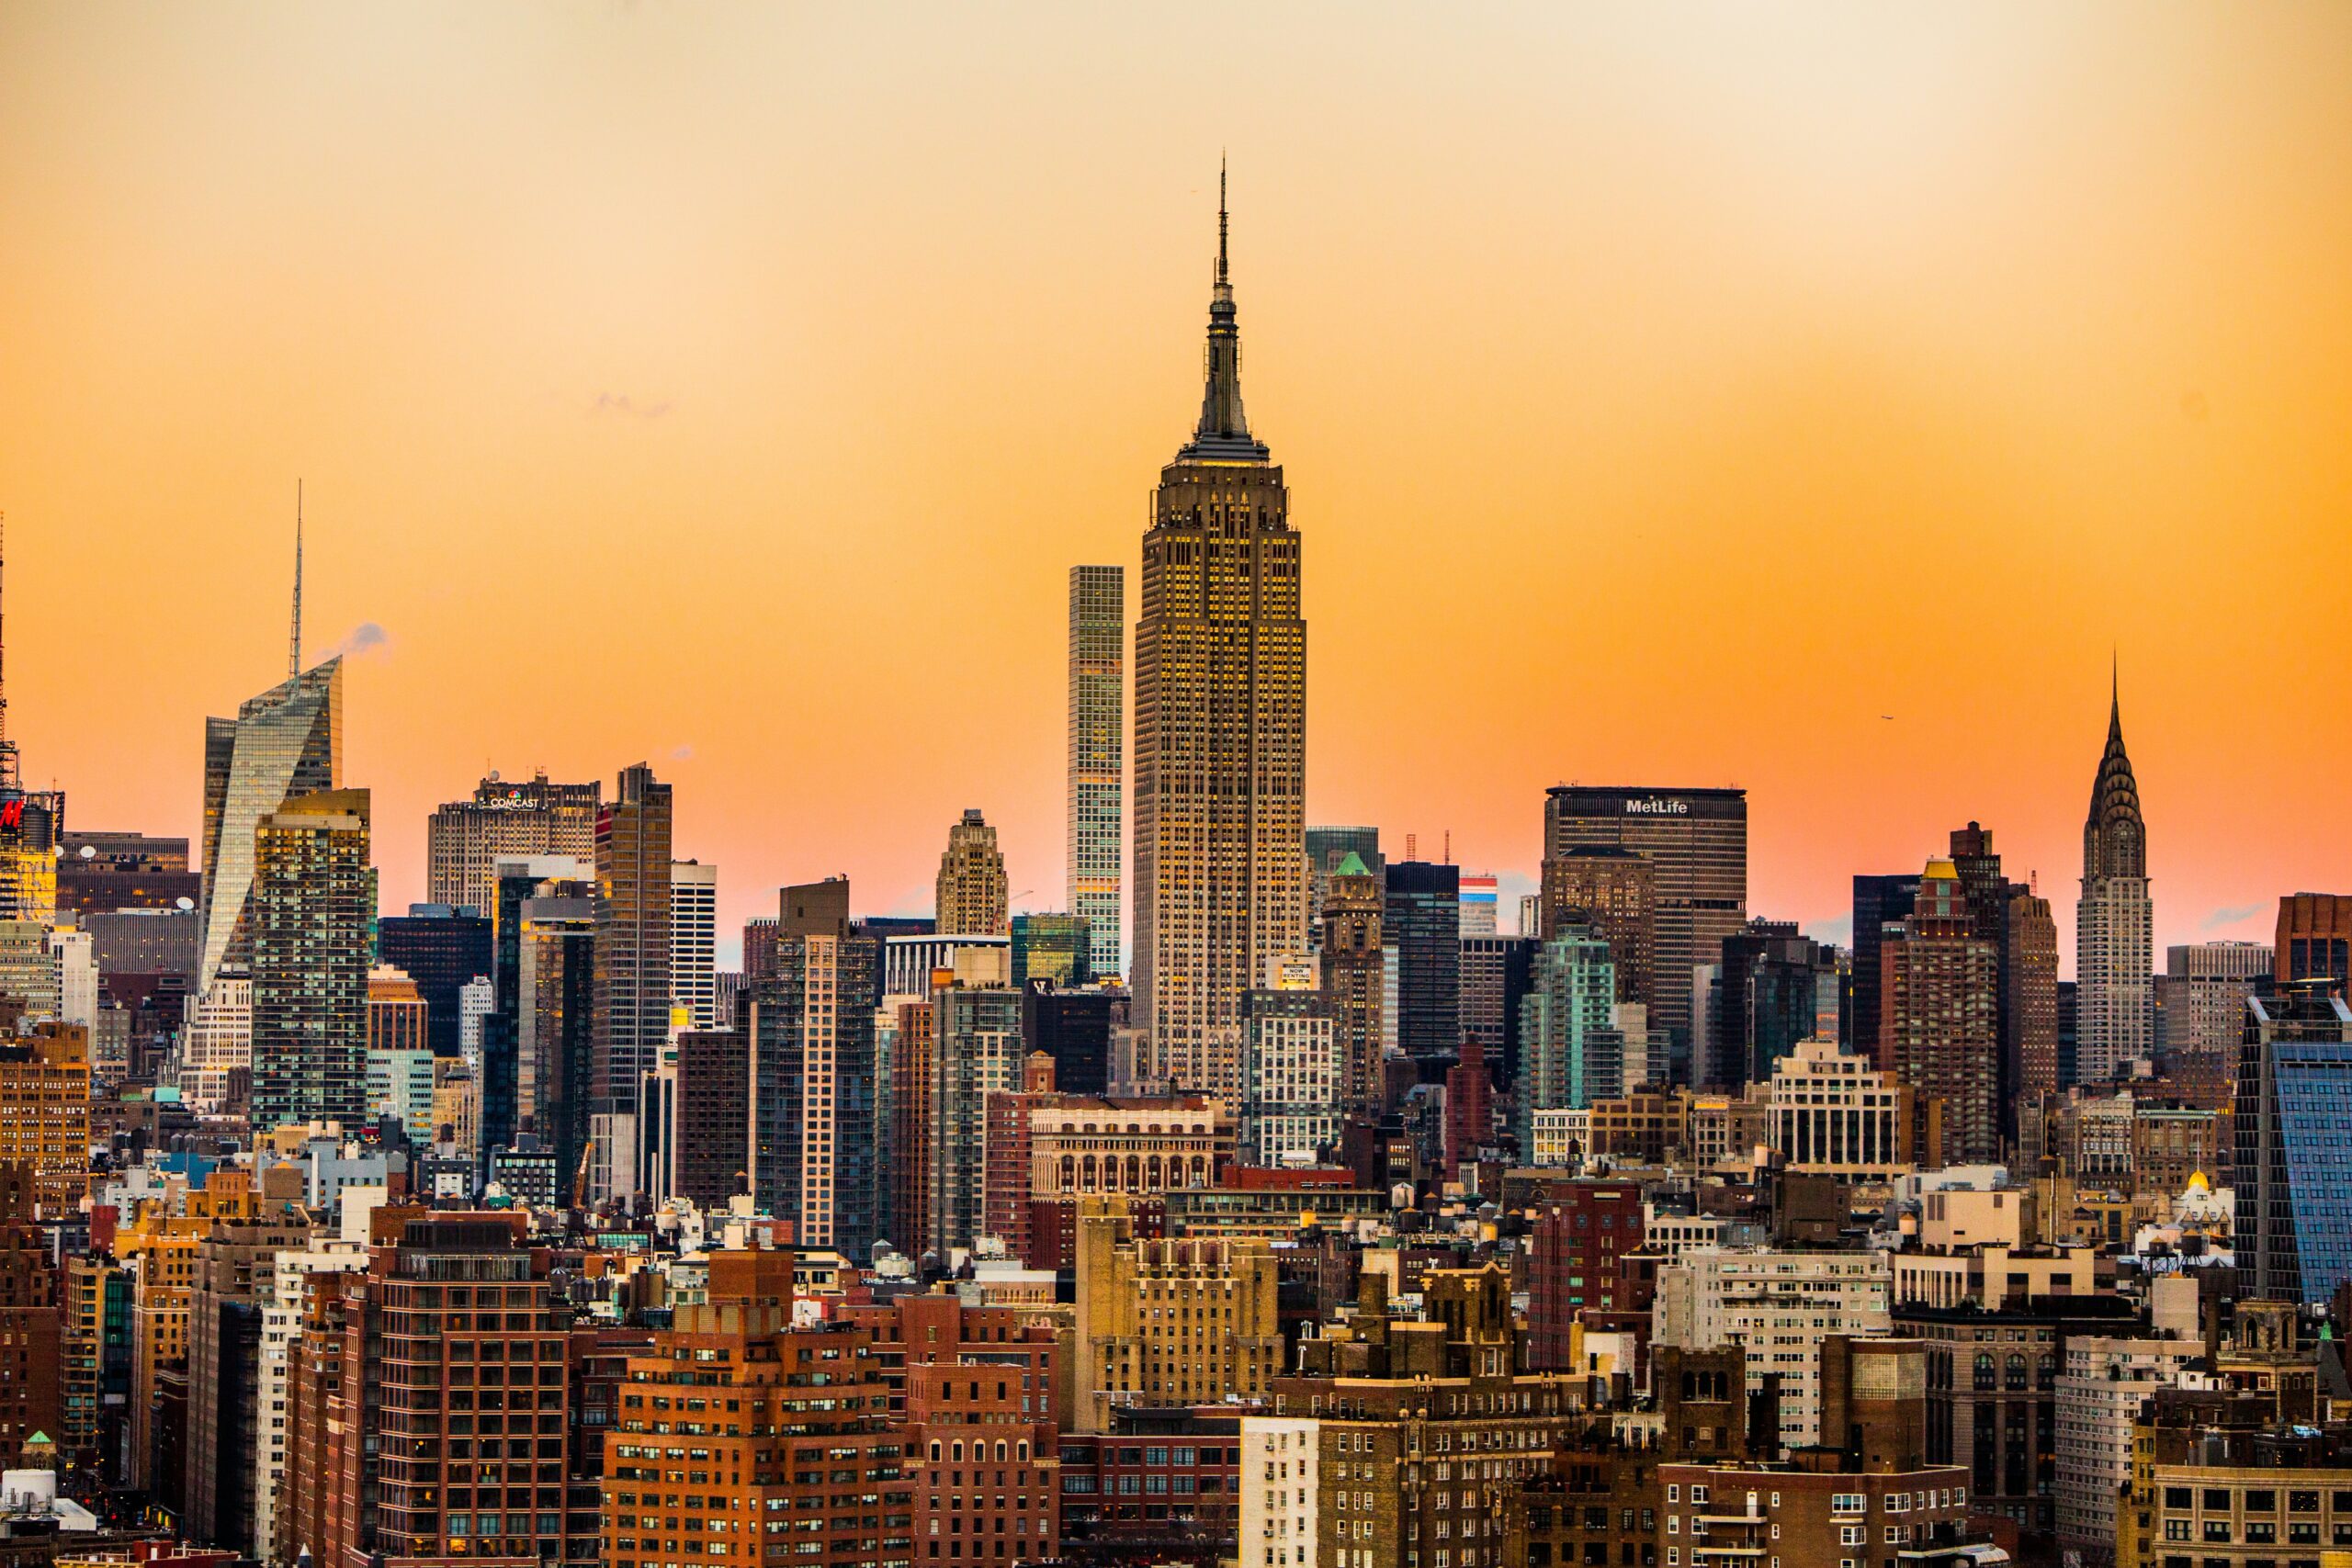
[(294, 638), (9, 779)]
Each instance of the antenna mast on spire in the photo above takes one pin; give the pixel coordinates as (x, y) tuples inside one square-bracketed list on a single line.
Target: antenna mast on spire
[(294, 638), (1222, 275), (8, 771)]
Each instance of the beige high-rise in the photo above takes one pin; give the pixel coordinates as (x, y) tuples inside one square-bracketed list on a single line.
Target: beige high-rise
[(1220, 741), (972, 890)]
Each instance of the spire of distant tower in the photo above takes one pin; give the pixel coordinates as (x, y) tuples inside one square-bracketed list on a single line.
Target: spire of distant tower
[(2114, 833), (1224, 430), (1222, 275), (9, 768), (294, 638)]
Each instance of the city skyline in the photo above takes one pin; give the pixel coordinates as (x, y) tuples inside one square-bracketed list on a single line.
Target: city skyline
[(2088, 476)]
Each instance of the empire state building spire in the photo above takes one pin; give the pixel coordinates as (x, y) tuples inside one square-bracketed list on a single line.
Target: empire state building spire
[(1224, 430), (1218, 826)]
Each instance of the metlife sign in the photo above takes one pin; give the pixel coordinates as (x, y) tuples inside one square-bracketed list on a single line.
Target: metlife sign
[(1657, 808)]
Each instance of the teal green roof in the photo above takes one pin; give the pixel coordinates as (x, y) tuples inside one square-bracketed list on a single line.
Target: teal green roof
[(1352, 866)]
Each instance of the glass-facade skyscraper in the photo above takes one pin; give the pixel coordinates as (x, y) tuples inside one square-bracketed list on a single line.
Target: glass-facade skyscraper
[(1097, 665), (1571, 1051), (1420, 921), (284, 743), (2294, 1161)]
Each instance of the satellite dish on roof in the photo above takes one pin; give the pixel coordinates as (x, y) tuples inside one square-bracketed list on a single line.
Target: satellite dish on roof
[(89, 851), (185, 902)]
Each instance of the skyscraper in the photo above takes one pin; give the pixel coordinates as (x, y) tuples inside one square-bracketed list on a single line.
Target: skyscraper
[(1356, 970), (2114, 928), (1775, 987), (632, 935), (1290, 1104), (813, 1134), (1697, 840), (2314, 937), (1571, 1052), (2293, 1175), (1098, 740), (285, 742), (465, 840), (1326, 848), (975, 1050), (2203, 1023), (694, 942), (1421, 920), (1879, 901), (308, 924), (1051, 947), (2029, 1065), (2025, 940), (1220, 765), (1481, 904), (973, 896), (1614, 891), (554, 991), (1940, 1015), (443, 952), (498, 1072), (1495, 974)]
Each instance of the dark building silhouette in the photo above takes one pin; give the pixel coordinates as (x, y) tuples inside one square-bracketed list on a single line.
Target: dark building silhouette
[(1075, 1026), (1879, 901), (442, 948), (712, 1152), (1422, 924), (1775, 987)]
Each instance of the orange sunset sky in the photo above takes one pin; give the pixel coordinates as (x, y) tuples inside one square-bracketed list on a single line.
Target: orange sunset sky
[(1666, 393)]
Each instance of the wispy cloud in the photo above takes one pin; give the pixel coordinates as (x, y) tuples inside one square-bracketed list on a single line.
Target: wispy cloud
[(2230, 917), (681, 753), (364, 637), (626, 407), (1836, 929)]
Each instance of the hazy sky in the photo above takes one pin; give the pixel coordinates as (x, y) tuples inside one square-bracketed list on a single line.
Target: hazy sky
[(1808, 399)]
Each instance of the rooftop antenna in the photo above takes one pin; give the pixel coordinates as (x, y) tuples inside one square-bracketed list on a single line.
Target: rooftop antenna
[(1222, 275), (8, 779), (294, 637)]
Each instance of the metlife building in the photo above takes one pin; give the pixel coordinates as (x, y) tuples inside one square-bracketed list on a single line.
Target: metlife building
[(1698, 839)]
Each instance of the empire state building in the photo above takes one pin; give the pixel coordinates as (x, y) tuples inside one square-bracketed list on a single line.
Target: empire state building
[(1220, 736)]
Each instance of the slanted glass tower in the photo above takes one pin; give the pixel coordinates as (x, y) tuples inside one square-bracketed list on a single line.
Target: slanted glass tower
[(284, 743)]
